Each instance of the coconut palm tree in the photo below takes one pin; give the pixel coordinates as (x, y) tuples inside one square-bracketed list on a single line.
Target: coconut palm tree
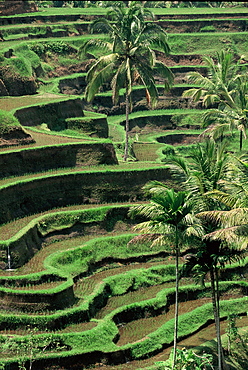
[(170, 217), (128, 57), (226, 86)]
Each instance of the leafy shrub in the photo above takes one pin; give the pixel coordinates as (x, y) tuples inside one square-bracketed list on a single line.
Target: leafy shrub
[(188, 359), (186, 119), (58, 47)]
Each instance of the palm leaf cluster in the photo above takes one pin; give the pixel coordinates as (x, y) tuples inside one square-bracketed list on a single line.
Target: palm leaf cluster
[(225, 91), (202, 172)]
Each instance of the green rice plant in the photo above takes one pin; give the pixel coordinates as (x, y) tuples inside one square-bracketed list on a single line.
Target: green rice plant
[(25, 61), (61, 220), (15, 37)]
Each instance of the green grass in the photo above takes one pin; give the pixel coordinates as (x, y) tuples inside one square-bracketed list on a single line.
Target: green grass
[(15, 37), (202, 19), (208, 43), (13, 102), (200, 11), (156, 11)]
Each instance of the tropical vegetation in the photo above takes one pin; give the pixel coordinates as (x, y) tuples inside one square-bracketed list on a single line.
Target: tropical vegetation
[(225, 90), (88, 292), (223, 227), (131, 58), (169, 218)]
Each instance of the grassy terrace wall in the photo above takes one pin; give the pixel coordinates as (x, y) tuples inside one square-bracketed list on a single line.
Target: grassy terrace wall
[(94, 127), (23, 245), (46, 158), (39, 301), (39, 194), (53, 113)]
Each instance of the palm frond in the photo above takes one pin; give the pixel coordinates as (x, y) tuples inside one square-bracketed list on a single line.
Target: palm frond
[(194, 94), (216, 131), (100, 25), (146, 76), (97, 79), (233, 217), (99, 65), (93, 45), (210, 99), (162, 70), (154, 227), (154, 35), (118, 82), (231, 236)]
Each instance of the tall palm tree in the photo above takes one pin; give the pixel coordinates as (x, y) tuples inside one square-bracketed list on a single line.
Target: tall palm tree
[(203, 176), (128, 57), (226, 86), (170, 217), (227, 243)]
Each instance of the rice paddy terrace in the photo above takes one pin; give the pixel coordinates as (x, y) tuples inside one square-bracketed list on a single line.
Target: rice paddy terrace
[(77, 289)]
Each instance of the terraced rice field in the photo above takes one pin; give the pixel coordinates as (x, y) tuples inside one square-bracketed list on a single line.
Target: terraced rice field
[(91, 300)]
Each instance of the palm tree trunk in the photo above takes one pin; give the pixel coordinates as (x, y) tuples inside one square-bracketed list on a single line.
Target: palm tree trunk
[(223, 362), (240, 140), (127, 125), (176, 303), (216, 317)]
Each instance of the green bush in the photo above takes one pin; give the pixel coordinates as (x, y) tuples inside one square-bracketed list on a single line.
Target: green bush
[(58, 47)]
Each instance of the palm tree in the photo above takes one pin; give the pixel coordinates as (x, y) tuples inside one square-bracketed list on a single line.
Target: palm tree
[(129, 57), (226, 86), (232, 116), (205, 176), (170, 218), (227, 243)]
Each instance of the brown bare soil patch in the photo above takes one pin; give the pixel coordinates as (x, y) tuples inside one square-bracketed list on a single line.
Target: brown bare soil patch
[(182, 60), (75, 68), (179, 139)]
